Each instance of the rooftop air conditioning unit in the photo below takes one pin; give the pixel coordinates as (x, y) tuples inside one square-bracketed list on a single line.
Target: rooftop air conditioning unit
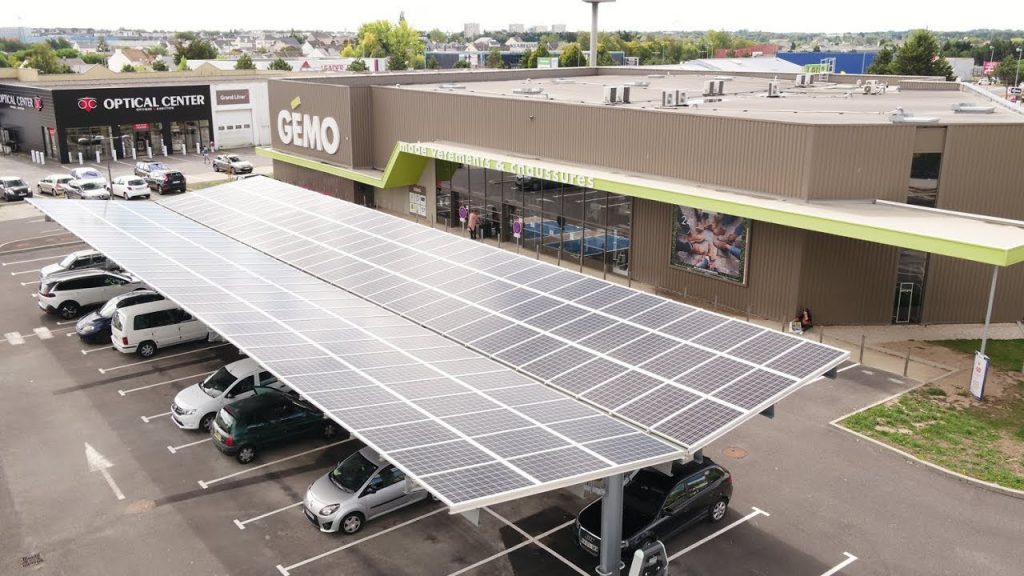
[(720, 89), (638, 83), (709, 87), (799, 80), (668, 98), (680, 98), (528, 90), (611, 94), (773, 89), (624, 94)]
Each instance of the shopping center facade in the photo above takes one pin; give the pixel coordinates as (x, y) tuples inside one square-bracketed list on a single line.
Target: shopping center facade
[(747, 199)]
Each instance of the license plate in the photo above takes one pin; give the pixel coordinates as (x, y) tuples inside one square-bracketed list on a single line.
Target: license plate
[(309, 514), (589, 545), (216, 434)]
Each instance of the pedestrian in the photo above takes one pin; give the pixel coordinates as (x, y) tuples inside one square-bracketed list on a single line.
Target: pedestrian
[(206, 155), (473, 223)]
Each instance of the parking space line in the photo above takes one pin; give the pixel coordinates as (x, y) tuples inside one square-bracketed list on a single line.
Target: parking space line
[(286, 570), (105, 370), (148, 419), (14, 338), (206, 484), (854, 365), (175, 449), (27, 261), (241, 523), (507, 551), (894, 380), (129, 391), (41, 236), (757, 512), (850, 559), (537, 542), (43, 333), (26, 271), (868, 372), (32, 248), (29, 283), (87, 352)]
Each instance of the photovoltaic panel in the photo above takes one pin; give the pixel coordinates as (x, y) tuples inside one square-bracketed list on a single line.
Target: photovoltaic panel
[(519, 442), (487, 422), (714, 374), (588, 375), (753, 389), (657, 405), (704, 420), (556, 464), (556, 411), (626, 448), (592, 428)]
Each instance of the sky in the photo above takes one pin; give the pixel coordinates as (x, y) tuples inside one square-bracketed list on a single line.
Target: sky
[(449, 15)]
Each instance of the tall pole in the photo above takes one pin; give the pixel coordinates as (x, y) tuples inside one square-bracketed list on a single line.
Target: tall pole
[(611, 527), (988, 313), (1016, 76), (593, 35)]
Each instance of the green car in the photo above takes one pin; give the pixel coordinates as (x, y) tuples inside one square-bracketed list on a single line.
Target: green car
[(243, 428)]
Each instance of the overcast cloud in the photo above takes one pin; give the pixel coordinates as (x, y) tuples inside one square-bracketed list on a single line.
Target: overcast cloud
[(646, 15)]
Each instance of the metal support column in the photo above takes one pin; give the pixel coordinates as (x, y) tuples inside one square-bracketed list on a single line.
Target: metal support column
[(988, 313), (593, 34), (611, 527)]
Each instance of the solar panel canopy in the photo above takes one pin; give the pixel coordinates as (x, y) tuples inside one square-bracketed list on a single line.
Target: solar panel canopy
[(679, 372), (469, 429)]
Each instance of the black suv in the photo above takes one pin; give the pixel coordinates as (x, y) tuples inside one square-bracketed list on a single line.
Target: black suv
[(13, 188), (166, 181), (242, 428), (656, 506)]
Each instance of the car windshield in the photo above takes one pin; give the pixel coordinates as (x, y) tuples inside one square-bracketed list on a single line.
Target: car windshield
[(218, 382), (15, 182), (64, 179), (353, 472), (66, 262), (234, 159), (109, 308), (91, 186), (158, 166), (88, 174), (136, 182)]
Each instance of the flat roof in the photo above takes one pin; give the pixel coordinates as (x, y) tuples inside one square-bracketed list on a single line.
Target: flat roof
[(744, 97), (141, 82)]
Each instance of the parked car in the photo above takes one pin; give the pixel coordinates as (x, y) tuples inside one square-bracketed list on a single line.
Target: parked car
[(657, 506), (232, 164), (195, 407), (146, 328), (95, 326), (360, 488), (87, 190), (79, 260), (67, 293), (14, 188), (243, 428), (90, 174), (143, 169), (129, 187), (54, 184), (166, 181)]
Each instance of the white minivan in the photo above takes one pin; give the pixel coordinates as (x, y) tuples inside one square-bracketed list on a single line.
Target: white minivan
[(195, 407), (145, 328)]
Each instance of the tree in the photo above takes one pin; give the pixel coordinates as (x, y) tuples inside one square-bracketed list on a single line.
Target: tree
[(59, 43), (357, 66), (919, 56), (101, 45), (882, 63), (156, 51), (603, 57), (159, 66), (524, 60), (462, 64), (190, 47), (42, 57), (127, 68), (437, 36), (182, 65), (67, 52), (540, 52), (4, 62), (432, 63), (572, 56), (245, 63), (1009, 71), (348, 51), (280, 64), (94, 59), (398, 62), (494, 59)]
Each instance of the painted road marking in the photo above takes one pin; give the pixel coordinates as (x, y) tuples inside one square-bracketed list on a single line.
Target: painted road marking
[(848, 367), (850, 559), (538, 543), (868, 372), (41, 236), (894, 380), (757, 512), (105, 370), (14, 338), (27, 261), (67, 322), (174, 449), (61, 245), (147, 419), (206, 484), (86, 352), (43, 333), (26, 271), (241, 523), (98, 463), (29, 283), (124, 392), (508, 551), (286, 570)]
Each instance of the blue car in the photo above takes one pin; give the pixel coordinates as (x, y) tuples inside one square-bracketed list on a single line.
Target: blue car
[(95, 326)]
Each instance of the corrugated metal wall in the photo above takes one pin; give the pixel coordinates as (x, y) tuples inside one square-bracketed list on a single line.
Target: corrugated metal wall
[(315, 180), (319, 99), (773, 265), (361, 120), (860, 162), (845, 281)]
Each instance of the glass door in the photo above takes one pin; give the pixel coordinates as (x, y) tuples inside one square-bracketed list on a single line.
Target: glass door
[(910, 277)]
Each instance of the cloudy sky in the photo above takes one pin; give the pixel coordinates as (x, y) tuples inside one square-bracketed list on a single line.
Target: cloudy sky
[(785, 16)]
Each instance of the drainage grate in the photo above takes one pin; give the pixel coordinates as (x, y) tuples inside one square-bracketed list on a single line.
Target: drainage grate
[(32, 560)]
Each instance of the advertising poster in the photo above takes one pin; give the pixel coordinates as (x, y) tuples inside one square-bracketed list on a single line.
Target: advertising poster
[(710, 243), (978, 375)]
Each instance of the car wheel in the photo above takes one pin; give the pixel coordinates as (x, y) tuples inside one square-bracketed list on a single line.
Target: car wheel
[(246, 454), (352, 523), (207, 422), (717, 510), (215, 169), (231, 170), (68, 310), (330, 430), (147, 349)]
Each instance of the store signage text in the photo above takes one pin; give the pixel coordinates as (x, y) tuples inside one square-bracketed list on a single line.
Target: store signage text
[(229, 97), (517, 168), (139, 103), (20, 102), (308, 131)]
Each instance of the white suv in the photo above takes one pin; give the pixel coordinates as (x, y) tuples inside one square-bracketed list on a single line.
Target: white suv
[(83, 259), (195, 407), (145, 328), (66, 293)]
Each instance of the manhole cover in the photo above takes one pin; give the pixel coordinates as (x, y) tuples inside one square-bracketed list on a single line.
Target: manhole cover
[(32, 560), (735, 453)]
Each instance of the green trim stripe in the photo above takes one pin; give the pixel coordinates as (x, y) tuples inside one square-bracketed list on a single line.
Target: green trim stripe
[(404, 169)]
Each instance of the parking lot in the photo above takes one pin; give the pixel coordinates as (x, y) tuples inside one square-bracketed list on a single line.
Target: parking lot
[(96, 479)]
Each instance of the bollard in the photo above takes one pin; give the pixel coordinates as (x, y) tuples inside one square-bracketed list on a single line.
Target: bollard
[(198, 150), (184, 149), (113, 151), (715, 307), (783, 325), (42, 158), (821, 335), (134, 157), (80, 159), (149, 151), (906, 364), (862, 338), (748, 313), (35, 160), (164, 146), (97, 156)]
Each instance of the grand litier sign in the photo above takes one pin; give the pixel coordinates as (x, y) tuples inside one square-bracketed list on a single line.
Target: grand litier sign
[(480, 161)]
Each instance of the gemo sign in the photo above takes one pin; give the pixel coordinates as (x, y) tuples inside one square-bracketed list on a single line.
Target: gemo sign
[(308, 131)]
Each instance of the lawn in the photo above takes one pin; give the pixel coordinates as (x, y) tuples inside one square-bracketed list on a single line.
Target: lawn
[(1005, 354), (985, 442)]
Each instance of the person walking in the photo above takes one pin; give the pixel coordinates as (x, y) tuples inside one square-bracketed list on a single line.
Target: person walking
[(473, 223), (206, 155)]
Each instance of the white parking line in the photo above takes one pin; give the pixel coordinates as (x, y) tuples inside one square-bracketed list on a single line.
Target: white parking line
[(148, 419), (206, 484), (67, 322), (33, 248), (14, 338), (105, 370), (848, 367), (174, 449), (26, 271), (508, 551), (29, 283), (895, 380), (123, 392), (537, 542), (850, 559), (43, 333), (757, 512), (50, 235), (868, 372), (286, 570), (241, 523), (51, 258), (85, 352)]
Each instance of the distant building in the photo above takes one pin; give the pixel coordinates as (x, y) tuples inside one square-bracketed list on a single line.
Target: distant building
[(558, 28), (133, 56), (840, 62), (758, 50), (19, 33), (516, 28), (538, 29), (471, 30)]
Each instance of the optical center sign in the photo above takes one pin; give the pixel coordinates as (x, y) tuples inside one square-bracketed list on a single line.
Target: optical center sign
[(479, 161), (132, 106)]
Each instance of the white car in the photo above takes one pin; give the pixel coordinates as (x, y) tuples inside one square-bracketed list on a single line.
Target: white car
[(79, 260), (88, 174), (195, 407), (145, 328), (54, 184), (66, 293), (129, 187), (87, 190)]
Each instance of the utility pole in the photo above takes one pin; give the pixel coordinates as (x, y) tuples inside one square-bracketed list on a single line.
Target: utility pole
[(593, 30)]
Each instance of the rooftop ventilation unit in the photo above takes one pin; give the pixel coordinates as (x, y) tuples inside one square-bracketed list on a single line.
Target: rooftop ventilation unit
[(899, 116), (453, 86), (655, 75), (673, 98), (971, 108), (714, 87), (639, 83), (611, 94), (528, 90), (724, 78), (773, 89), (874, 87), (564, 81)]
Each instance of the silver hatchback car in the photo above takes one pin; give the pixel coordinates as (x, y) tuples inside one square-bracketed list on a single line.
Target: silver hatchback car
[(362, 487)]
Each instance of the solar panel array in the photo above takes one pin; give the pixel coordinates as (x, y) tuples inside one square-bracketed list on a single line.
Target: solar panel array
[(470, 430), (672, 369)]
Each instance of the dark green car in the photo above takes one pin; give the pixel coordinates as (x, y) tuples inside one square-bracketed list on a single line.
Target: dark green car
[(245, 427)]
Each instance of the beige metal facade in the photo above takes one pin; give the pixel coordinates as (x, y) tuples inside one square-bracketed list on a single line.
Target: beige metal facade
[(843, 281)]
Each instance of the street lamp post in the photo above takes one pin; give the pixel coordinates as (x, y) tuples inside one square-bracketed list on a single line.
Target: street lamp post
[(1016, 77)]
